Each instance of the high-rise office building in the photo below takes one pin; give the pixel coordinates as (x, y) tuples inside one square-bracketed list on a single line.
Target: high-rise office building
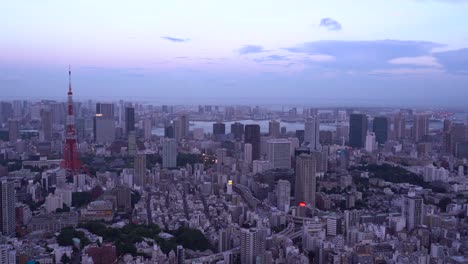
[(46, 124), (381, 127), (300, 135), (7, 201), (129, 119), (237, 129), (6, 111), (457, 135), (279, 153), (139, 178), (105, 110), (370, 142), (181, 127), (305, 180), (274, 129), (104, 129), (169, 153), (399, 126), (147, 127), (219, 130), (248, 152), (252, 245), (420, 127), (412, 210), (283, 194), (169, 131), (81, 126), (13, 130), (252, 136), (224, 242), (132, 143), (312, 132), (357, 130)]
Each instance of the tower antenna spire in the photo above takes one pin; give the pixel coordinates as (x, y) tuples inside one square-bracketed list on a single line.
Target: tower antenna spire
[(69, 79)]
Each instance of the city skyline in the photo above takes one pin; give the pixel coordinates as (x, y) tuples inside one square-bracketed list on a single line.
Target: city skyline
[(331, 53)]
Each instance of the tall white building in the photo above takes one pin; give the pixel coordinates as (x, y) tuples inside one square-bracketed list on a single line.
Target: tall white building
[(147, 127), (53, 202), (312, 132), (279, 153), (65, 194), (169, 153), (252, 245), (7, 254), (283, 193), (7, 196), (274, 129), (370, 142), (412, 209), (248, 152)]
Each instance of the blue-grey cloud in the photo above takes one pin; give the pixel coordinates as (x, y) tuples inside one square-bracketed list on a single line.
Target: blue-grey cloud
[(251, 49), (272, 58), (454, 61), (364, 55), (330, 24), (173, 39)]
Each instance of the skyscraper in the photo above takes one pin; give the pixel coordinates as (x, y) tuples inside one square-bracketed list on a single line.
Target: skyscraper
[(219, 130), (169, 153), (147, 126), (357, 130), (370, 142), (7, 201), (139, 170), (305, 180), (252, 245), (312, 132), (181, 127), (46, 124), (300, 136), (274, 129), (105, 109), (104, 129), (412, 210), (129, 119), (248, 152), (13, 130), (381, 127), (252, 136), (224, 242), (237, 129), (283, 193), (457, 135), (399, 126), (420, 127), (279, 153)]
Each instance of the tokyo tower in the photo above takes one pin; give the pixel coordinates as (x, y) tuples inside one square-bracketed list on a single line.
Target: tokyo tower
[(71, 161)]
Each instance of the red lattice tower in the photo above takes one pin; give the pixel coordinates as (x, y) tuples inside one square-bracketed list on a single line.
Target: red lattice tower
[(71, 160)]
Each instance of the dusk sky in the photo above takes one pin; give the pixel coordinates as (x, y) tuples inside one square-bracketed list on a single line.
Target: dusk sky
[(378, 52)]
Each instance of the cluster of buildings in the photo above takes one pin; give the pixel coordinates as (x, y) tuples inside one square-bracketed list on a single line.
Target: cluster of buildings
[(262, 186)]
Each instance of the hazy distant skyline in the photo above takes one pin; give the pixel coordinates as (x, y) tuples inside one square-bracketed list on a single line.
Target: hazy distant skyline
[(396, 52)]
